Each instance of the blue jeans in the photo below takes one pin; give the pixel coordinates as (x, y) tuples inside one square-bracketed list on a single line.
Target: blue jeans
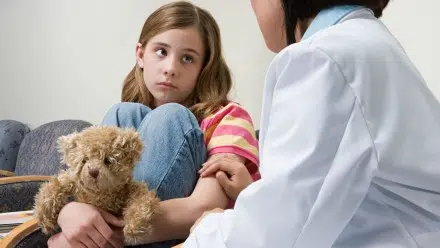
[(173, 148)]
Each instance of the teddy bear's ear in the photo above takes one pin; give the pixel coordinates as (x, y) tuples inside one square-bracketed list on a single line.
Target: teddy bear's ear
[(66, 144), (130, 143)]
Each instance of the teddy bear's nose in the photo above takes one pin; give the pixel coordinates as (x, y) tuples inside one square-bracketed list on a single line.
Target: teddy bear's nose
[(93, 172)]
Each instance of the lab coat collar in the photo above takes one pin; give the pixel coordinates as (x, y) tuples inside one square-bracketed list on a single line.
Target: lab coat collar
[(329, 17)]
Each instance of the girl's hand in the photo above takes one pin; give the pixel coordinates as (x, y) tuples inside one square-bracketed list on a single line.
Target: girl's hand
[(232, 174), (58, 240), (89, 226)]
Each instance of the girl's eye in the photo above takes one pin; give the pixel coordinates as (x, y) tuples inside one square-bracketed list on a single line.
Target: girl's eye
[(187, 59), (161, 52)]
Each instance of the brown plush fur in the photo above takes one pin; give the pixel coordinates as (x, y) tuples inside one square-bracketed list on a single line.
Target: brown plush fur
[(112, 152)]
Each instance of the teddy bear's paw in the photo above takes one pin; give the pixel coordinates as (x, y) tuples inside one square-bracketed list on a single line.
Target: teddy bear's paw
[(46, 221), (47, 227), (135, 233)]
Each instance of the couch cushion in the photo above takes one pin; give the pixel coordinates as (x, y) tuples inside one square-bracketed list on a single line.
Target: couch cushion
[(19, 195), (11, 135), (38, 154)]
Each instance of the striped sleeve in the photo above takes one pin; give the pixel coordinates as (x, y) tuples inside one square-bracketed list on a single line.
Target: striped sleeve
[(230, 130)]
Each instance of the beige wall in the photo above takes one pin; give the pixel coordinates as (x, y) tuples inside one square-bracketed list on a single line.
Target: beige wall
[(416, 26), (64, 59)]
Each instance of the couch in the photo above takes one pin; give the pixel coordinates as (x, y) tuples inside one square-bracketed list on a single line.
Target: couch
[(28, 158), (32, 159)]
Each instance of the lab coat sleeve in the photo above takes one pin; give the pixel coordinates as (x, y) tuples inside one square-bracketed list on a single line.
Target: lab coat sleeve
[(317, 163)]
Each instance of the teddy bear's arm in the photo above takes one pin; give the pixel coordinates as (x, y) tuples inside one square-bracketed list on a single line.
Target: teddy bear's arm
[(49, 201), (141, 207)]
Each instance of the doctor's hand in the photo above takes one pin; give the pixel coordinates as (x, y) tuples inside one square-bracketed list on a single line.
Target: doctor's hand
[(215, 210), (232, 174)]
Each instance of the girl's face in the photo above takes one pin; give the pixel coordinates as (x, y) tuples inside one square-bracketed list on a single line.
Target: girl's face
[(171, 63), (270, 18)]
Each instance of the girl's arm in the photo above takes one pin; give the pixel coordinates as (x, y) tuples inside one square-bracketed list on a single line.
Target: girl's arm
[(176, 216), (173, 221), (232, 175), (84, 224)]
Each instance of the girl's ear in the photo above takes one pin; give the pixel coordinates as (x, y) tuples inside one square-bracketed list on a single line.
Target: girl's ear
[(140, 55)]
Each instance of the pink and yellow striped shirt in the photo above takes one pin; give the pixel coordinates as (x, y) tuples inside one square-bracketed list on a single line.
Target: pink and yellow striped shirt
[(230, 130)]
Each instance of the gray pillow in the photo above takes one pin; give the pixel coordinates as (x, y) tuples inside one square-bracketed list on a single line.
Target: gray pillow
[(11, 135)]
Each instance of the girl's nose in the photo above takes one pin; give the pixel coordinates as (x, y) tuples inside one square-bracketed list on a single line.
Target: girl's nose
[(170, 69)]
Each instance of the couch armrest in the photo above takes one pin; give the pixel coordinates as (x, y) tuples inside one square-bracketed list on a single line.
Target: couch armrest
[(18, 192), (5, 173), (27, 234)]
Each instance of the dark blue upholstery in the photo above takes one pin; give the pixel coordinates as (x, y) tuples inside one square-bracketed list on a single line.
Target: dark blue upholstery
[(12, 134)]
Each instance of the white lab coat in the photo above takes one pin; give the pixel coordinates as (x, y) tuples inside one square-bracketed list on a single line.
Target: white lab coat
[(350, 149)]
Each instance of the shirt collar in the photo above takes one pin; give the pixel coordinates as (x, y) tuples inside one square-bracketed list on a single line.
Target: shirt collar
[(329, 17)]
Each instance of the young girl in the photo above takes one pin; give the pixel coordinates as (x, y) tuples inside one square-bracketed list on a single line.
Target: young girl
[(176, 98), (350, 138)]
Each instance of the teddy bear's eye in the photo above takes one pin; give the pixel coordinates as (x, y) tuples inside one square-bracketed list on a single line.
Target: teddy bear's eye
[(84, 160), (107, 161)]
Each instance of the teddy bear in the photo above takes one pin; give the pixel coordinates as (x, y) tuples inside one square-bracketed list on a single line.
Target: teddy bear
[(100, 162)]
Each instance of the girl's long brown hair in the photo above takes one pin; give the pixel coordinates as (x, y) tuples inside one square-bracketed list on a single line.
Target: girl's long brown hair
[(214, 81)]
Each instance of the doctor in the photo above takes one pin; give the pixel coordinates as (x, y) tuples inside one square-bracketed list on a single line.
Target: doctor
[(350, 138)]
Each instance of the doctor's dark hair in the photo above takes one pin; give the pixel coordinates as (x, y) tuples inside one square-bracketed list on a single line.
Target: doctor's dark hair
[(295, 10)]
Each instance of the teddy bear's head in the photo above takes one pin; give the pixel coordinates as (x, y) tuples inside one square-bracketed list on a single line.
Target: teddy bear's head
[(101, 158)]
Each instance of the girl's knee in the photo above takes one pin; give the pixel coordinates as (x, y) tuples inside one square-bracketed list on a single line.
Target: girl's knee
[(128, 110), (127, 107), (126, 114), (175, 112), (173, 117), (172, 108)]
